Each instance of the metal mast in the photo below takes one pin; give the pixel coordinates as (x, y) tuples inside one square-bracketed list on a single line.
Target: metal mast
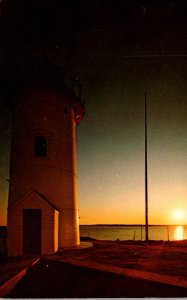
[(146, 177)]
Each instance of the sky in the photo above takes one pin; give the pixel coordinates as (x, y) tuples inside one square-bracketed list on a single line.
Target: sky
[(110, 150), (122, 49)]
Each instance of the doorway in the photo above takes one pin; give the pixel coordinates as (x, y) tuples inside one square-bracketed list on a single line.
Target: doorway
[(32, 231)]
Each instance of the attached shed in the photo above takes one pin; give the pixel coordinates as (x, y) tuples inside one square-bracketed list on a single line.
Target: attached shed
[(32, 225)]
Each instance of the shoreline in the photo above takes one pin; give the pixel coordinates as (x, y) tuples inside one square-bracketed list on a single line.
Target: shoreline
[(88, 238)]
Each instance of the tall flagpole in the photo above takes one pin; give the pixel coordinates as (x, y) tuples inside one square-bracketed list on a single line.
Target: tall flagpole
[(146, 177)]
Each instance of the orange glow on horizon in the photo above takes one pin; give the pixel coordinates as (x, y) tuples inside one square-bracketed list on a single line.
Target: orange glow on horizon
[(179, 214)]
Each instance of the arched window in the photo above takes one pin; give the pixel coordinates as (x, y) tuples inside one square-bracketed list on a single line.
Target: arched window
[(40, 146)]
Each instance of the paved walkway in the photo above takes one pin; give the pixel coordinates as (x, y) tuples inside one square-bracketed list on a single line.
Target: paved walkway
[(13, 273)]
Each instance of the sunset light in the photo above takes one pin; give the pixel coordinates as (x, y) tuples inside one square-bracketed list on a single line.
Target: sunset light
[(179, 233), (93, 149), (113, 70), (179, 215)]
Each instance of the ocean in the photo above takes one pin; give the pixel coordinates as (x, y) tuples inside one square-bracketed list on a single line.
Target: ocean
[(134, 232)]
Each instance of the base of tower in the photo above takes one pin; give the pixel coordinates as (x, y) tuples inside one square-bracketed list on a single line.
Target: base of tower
[(82, 245)]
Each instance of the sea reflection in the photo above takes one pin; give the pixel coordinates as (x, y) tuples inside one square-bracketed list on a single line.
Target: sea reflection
[(179, 233)]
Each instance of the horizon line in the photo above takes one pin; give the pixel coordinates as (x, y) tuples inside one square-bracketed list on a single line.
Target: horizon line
[(132, 224)]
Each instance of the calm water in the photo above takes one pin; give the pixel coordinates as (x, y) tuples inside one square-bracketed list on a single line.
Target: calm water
[(133, 232)]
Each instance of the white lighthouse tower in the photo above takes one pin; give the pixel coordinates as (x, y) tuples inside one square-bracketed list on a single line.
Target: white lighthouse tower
[(43, 204)]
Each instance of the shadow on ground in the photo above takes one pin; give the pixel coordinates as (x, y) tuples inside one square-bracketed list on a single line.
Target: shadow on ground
[(55, 279)]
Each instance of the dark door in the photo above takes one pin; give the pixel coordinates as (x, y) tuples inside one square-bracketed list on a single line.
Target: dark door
[(31, 231)]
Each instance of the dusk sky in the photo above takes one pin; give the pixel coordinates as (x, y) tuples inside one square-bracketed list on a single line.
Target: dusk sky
[(122, 49)]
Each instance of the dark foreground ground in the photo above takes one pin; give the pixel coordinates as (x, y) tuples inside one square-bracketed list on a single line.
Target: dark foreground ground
[(72, 273), (58, 280)]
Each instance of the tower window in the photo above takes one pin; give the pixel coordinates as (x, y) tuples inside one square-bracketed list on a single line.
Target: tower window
[(40, 146)]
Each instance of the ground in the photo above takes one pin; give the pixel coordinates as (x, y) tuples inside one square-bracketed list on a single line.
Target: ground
[(169, 258), (108, 269)]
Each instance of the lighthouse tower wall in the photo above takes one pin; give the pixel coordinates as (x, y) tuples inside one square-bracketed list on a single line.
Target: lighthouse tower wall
[(43, 156)]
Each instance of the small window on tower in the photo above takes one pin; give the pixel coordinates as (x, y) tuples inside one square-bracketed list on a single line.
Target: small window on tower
[(40, 146)]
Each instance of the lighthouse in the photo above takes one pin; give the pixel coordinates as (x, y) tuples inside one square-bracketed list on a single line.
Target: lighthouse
[(43, 204)]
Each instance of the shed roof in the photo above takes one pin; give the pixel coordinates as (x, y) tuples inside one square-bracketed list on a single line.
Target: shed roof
[(36, 193)]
